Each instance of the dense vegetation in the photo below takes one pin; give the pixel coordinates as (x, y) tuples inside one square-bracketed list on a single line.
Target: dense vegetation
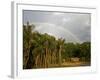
[(43, 50)]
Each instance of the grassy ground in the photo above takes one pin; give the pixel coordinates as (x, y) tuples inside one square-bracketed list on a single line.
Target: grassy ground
[(71, 64), (68, 64)]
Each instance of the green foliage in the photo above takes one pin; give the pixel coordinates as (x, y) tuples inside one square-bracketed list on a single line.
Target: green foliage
[(43, 50), (85, 49)]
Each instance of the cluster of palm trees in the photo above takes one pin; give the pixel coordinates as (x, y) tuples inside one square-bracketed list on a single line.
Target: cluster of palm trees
[(43, 50), (40, 50)]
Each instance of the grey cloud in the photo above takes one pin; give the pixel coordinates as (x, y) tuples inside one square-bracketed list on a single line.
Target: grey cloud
[(78, 24)]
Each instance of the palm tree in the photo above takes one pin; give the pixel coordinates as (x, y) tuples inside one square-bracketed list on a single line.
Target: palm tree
[(60, 49), (27, 33)]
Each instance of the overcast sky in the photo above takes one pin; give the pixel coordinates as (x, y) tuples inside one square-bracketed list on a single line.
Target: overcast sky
[(74, 27)]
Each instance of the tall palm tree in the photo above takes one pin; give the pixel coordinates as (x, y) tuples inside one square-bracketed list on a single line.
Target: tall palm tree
[(27, 33), (60, 50)]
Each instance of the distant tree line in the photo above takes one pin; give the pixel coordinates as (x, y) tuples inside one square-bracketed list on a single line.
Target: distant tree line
[(43, 50)]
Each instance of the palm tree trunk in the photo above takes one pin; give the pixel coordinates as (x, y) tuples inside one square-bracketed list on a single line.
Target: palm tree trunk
[(45, 57), (60, 56), (37, 61)]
